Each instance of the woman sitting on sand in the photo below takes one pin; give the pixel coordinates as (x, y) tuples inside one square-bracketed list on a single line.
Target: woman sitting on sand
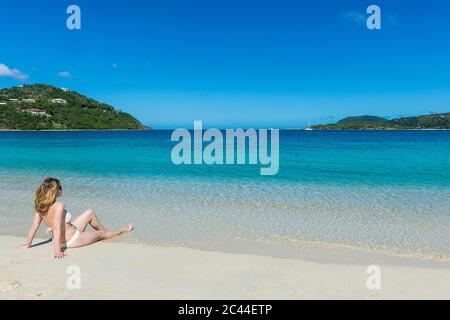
[(66, 233)]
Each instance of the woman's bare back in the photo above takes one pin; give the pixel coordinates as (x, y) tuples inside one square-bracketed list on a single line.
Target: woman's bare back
[(67, 229)]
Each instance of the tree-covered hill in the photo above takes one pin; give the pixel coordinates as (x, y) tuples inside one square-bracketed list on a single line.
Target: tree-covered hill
[(45, 107), (431, 121)]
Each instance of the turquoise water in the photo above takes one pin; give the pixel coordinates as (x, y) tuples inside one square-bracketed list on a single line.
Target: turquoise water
[(381, 190)]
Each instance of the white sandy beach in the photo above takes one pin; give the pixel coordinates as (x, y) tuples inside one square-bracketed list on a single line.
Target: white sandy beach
[(112, 270)]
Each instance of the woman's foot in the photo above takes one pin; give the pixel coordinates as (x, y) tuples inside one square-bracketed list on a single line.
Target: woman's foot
[(112, 234), (126, 229)]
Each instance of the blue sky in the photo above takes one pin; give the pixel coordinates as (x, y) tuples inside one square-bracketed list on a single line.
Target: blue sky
[(235, 63)]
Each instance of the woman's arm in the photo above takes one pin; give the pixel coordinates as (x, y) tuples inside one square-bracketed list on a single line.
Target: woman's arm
[(34, 228), (58, 228)]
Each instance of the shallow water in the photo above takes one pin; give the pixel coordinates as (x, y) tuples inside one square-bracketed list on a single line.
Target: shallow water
[(386, 191)]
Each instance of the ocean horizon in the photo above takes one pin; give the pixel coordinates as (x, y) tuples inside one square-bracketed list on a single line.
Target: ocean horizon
[(386, 191)]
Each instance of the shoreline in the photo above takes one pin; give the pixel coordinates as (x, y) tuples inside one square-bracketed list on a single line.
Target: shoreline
[(244, 128), (302, 129), (153, 129), (148, 272), (73, 130), (319, 252)]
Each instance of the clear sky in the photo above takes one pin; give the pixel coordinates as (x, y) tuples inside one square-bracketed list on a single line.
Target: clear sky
[(235, 62)]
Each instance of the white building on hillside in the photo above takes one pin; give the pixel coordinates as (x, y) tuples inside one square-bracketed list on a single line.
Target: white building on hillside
[(59, 101), (29, 100), (36, 112)]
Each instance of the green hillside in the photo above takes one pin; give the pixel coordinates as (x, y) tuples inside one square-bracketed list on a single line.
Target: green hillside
[(431, 121), (30, 107)]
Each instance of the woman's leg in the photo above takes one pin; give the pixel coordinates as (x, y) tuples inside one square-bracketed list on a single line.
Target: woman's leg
[(87, 238), (88, 217)]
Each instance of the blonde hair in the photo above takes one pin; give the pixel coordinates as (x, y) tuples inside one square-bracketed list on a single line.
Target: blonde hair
[(46, 195)]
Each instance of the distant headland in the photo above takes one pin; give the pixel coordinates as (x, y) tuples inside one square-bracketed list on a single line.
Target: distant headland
[(45, 107), (435, 121)]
